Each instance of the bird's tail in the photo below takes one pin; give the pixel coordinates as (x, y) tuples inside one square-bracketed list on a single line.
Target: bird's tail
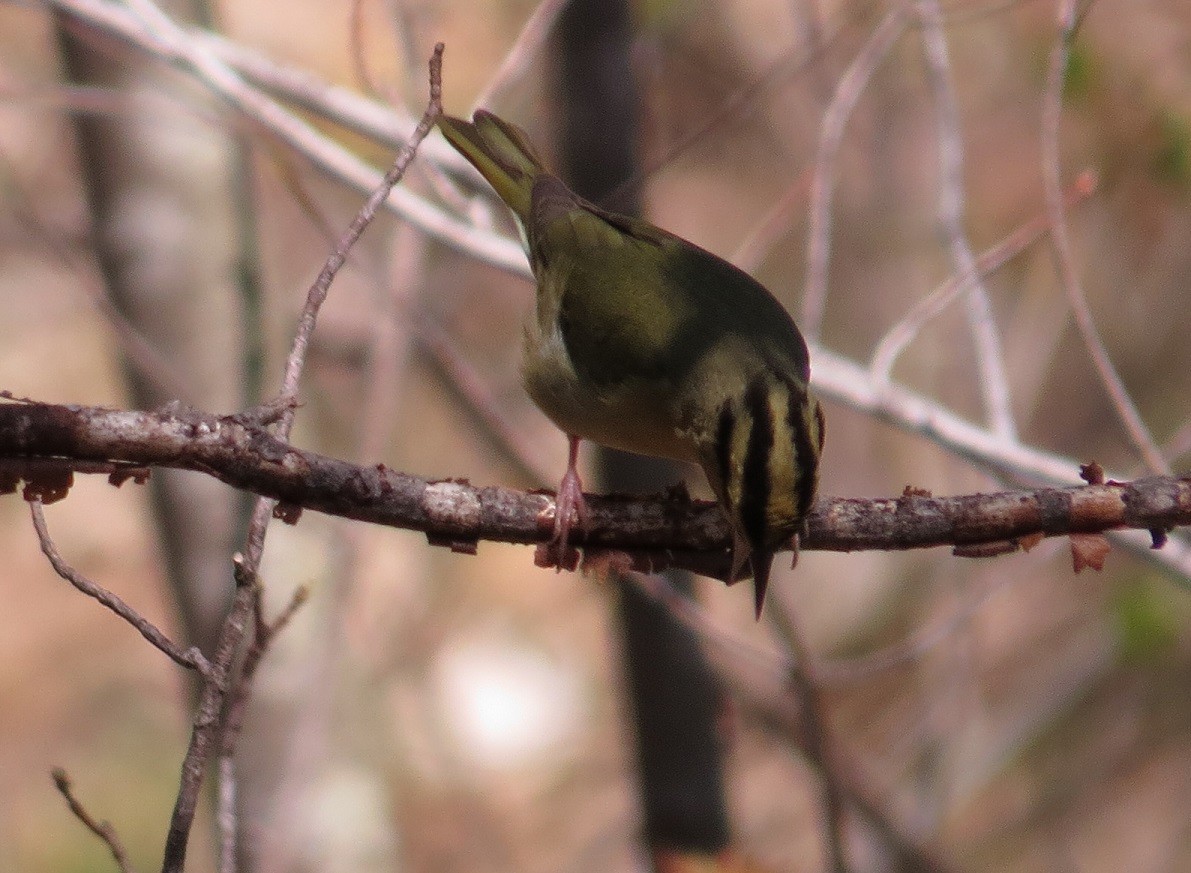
[(502, 154)]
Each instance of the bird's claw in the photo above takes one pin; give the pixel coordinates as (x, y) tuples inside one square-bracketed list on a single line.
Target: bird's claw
[(569, 508)]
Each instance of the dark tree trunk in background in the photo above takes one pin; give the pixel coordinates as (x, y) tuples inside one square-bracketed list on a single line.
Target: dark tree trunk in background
[(674, 695)]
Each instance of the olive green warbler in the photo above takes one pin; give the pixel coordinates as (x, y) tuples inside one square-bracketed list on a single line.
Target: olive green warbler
[(645, 342)]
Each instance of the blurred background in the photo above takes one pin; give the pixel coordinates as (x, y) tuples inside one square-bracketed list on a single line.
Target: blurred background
[(434, 711)]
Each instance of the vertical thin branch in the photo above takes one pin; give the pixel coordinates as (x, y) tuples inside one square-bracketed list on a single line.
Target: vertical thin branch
[(233, 718), (211, 715), (990, 360), (1052, 113), (816, 744), (225, 814), (847, 94)]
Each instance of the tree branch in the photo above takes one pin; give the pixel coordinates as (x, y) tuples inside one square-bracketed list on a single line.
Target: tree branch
[(673, 531), (191, 658), (101, 829)]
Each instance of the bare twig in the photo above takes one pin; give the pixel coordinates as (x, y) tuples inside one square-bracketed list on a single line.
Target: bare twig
[(101, 829), (900, 335), (318, 291), (1052, 113), (816, 742), (212, 714), (990, 359), (831, 134), (752, 250), (191, 659), (225, 814), (234, 712), (527, 45)]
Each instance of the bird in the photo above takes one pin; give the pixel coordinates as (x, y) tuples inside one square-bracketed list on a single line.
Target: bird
[(643, 341)]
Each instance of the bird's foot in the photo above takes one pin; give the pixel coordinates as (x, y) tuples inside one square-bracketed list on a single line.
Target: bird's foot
[(569, 509)]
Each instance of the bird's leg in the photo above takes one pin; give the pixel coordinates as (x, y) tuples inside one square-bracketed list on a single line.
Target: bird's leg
[(568, 502)]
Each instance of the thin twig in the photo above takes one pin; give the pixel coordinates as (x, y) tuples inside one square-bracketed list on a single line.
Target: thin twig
[(990, 359), (831, 134), (211, 716), (102, 829), (226, 819), (752, 250), (525, 48), (901, 334), (233, 724), (816, 741), (1052, 114), (318, 291), (191, 658)]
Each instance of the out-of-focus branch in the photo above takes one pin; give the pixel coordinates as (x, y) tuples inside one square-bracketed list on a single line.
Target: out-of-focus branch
[(171, 43), (901, 334), (1052, 113), (990, 359), (831, 134)]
